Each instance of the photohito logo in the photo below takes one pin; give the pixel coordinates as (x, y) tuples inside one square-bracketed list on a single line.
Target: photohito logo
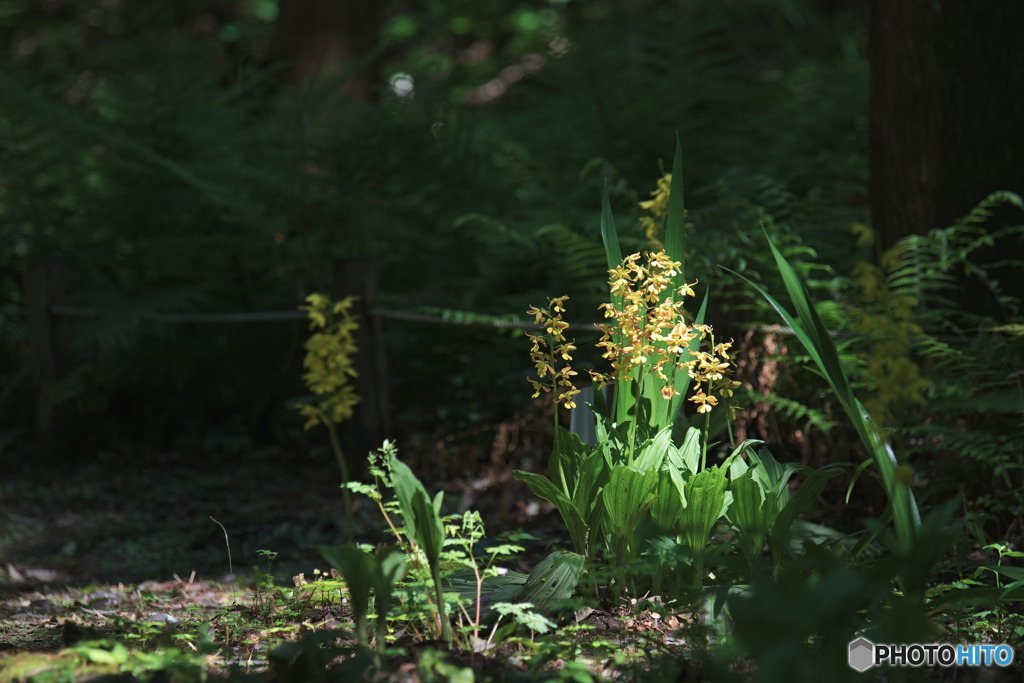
[(864, 654)]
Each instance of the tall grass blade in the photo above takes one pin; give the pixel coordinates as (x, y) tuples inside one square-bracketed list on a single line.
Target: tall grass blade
[(675, 221), (812, 333)]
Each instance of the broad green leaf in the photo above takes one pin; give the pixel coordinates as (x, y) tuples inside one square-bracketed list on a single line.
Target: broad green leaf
[(406, 485), (571, 452), (543, 488), (654, 452), (750, 514), (422, 517), (737, 468), (1015, 573), (705, 505), (592, 478), (493, 589), (975, 598), (740, 450), (772, 475), (429, 528), (553, 581), (668, 505), (627, 496), (689, 452), (804, 497)]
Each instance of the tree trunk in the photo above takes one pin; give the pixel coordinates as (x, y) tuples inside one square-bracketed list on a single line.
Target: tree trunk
[(947, 106), (323, 38)]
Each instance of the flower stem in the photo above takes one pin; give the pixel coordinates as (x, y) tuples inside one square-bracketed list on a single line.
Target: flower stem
[(340, 457), (555, 465), (704, 445)]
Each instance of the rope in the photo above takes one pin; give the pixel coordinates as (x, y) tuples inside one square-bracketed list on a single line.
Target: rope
[(414, 316), (257, 317), (456, 319), (471, 320)]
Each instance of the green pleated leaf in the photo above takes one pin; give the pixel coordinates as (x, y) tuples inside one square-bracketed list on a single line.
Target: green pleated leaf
[(772, 475), (627, 496), (570, 452), (705, 505), (668, 506), (553, 581), (687, 456), (654, 452), (587, 495), (750, 513), (740, 450), (493, 589), (543, 488)]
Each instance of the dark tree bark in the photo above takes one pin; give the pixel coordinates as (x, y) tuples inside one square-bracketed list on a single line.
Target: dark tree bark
[(947, 113), (322, 38)]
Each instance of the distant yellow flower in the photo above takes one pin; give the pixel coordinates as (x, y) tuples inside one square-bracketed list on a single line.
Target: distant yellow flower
[(886, 319), (865, 235), (546, 351), (329, 360)]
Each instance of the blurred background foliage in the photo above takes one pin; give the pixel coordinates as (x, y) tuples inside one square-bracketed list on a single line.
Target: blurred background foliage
[(160, 155), (172, 159)]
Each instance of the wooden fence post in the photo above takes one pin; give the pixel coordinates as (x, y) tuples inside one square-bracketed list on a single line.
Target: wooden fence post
[(44, 289), (371, 423)]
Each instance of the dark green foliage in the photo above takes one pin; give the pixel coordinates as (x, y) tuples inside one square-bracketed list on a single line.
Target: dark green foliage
[(191, 182)]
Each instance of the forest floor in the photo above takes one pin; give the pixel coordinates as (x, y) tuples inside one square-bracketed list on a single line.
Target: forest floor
[(119, 566), (172, 567)]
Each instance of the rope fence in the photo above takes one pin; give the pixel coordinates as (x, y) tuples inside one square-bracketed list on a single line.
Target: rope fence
[(457, 318), (46, 313), (454, 318)]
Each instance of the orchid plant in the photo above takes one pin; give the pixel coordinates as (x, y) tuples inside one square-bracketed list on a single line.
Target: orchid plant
[(662, 357), (330, 368)]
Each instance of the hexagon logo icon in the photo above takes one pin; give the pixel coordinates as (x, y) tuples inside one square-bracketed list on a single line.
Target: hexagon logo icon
[(862, 654)]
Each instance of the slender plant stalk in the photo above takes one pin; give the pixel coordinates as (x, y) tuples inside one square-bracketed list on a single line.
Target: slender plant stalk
[(704, 442), (632, 423), (231, 569), (446, 628), (556, 457), (343, 466)]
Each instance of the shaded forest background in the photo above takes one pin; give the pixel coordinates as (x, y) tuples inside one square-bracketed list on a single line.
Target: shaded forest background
[(224, 156)]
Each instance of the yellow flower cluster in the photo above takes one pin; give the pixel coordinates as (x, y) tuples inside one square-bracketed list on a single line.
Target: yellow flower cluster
[(653, 226), (649, 331), (548, 349), (708, 371), (329, 360)]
